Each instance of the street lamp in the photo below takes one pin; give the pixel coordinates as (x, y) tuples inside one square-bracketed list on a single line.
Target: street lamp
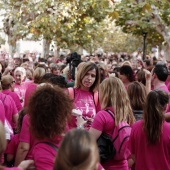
[(144, 45)]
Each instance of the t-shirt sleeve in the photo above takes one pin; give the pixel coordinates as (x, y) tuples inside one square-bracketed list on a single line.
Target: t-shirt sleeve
[(99, 121), (44, 156), (25, 132)]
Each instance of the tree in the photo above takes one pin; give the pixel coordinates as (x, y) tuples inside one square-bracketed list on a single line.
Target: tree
[(145, 16), (67, 22)]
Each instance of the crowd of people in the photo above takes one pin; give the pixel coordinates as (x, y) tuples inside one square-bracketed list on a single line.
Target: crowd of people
[(53, 111)]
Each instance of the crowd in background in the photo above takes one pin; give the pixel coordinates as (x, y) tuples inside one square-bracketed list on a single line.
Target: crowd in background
[(53, 110)]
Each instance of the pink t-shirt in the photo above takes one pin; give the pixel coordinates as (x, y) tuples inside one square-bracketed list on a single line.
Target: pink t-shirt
[(20, 90), (25, 136), (13, 145), (29, 91), (153, 156), (14, 97), (44, 154), (105, 123), (10, 108), (164, 88), (2, 112), (84, 103)]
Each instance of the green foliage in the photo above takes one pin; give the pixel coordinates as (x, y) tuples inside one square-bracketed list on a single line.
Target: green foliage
[(67, 22), (138, 17)]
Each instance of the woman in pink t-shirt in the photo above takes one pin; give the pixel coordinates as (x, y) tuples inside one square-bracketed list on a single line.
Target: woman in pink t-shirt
[(7, 84), (20, 86), (113, 96), (49, 109), (38, 74), (149, 142), (79, 143), (85, 94)]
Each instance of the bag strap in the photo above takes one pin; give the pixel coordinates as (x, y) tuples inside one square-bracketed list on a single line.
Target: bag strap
[(71, 92), (110, 113), (96, 98), (52, 145)]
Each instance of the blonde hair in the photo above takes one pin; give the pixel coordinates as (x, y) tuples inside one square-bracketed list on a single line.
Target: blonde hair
[(112, 93), (83, 71), (39, 72), (137, 95), (66, 72), (6, 81), (78, 150), (20, 69)]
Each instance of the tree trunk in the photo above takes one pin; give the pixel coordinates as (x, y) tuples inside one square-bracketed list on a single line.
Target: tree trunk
[(46, 48), (80, 50), (12, 46), (163, 29), (167, 51)]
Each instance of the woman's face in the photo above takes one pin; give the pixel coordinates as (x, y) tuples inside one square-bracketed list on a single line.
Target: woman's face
[(19, 77), (56, 71), (88, 79)]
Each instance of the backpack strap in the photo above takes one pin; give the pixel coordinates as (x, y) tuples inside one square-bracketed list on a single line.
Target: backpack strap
[(52, 145), (110, 113), (96, 98), (71, 92)]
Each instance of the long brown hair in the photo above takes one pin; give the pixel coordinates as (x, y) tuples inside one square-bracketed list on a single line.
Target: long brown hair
[(137, 95), (153, 114)]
